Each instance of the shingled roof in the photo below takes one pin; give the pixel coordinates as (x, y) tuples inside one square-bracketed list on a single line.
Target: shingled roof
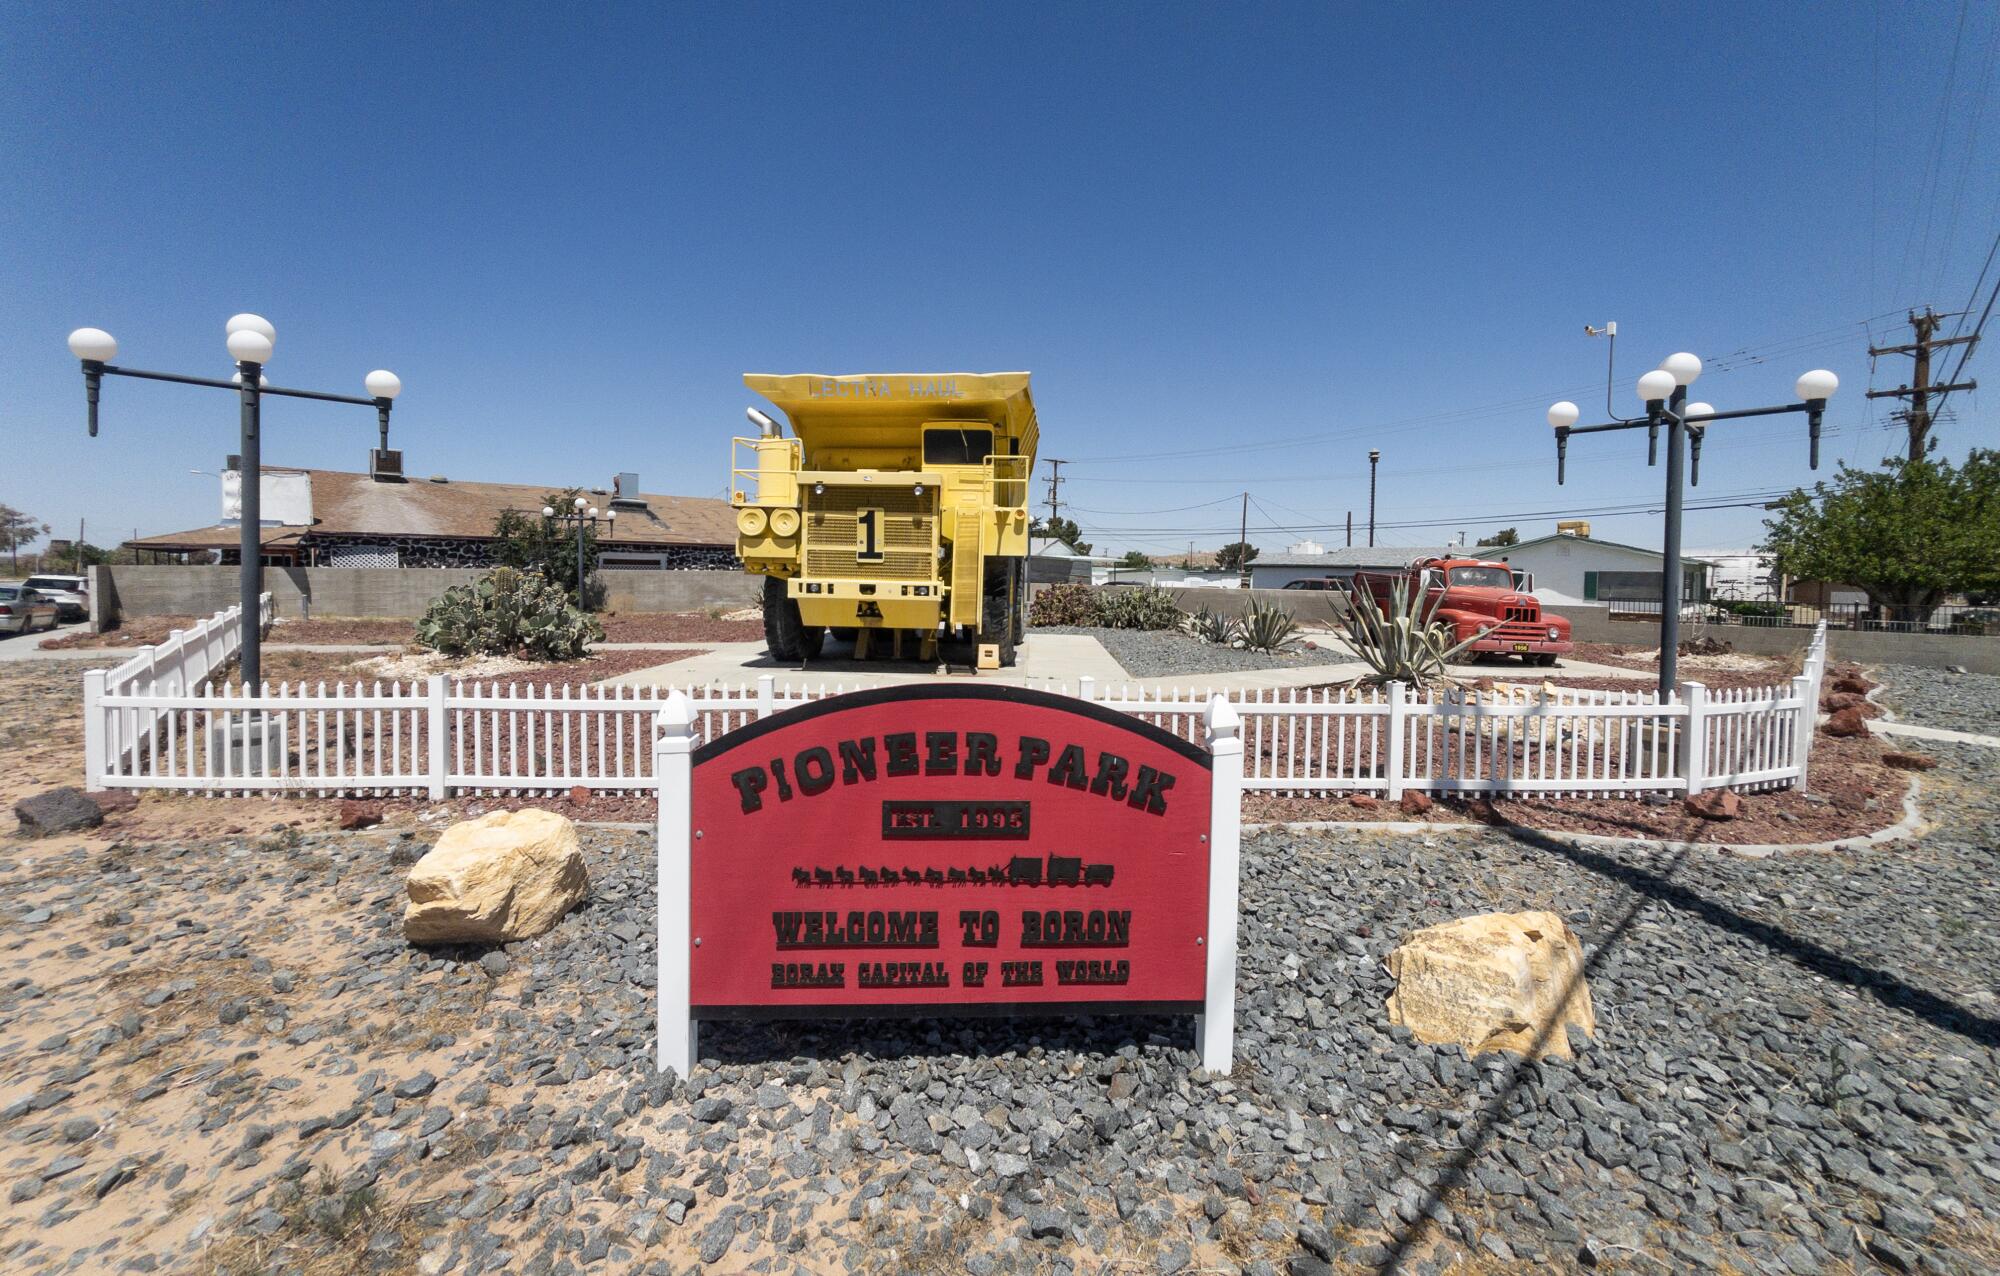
[(350, 505)]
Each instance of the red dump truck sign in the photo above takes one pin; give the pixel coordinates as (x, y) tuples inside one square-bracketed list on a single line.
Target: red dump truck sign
[(951, 851)]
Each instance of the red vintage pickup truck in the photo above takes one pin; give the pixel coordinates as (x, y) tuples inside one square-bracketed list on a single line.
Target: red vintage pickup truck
[(1478, 594)]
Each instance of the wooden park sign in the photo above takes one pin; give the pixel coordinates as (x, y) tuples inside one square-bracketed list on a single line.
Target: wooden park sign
[(947, 850)]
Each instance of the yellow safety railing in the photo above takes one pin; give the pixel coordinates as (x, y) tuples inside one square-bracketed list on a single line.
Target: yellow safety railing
[(772, 478)]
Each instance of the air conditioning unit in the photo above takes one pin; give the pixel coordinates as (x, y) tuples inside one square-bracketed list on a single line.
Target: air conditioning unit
[(626, 491), (385, 465)]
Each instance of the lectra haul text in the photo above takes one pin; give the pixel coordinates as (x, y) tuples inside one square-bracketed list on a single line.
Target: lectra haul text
[(812, 771)]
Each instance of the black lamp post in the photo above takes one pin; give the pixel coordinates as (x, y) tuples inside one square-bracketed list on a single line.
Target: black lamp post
[(1664, 392), (250, 340), (582, 514), (1374, 458)]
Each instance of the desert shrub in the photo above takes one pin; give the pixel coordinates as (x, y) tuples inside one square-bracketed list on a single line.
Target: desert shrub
[(504, 613), (1217, 627), (1268, 627), (1406, 643), (1066, 605), (1143, 607)]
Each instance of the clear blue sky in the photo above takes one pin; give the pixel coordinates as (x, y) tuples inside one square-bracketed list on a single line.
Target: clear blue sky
[(1204, 229)]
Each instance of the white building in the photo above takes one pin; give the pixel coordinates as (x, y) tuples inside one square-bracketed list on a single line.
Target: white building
[(1580, 569)]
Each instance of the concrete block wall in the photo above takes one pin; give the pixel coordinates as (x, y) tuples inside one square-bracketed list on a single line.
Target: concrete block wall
[(1978, 653), (397, 592)]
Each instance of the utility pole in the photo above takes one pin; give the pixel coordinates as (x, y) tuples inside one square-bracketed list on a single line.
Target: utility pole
[(1055, 485), (1350, 529), (1243, 546), (1917, 417), (1374, 457)]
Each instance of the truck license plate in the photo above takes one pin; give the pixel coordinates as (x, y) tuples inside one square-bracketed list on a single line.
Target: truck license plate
[(1520, 646)]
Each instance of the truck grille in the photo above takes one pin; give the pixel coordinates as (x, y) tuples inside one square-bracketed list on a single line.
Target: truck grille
[(1530, 614), (909, 534), (1520, 631)]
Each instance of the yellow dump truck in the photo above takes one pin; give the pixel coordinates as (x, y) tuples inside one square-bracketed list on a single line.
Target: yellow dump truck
[(895, 515)]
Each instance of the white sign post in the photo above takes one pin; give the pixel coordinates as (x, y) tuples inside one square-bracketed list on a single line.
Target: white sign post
[(673, 769), (1215, 1027)]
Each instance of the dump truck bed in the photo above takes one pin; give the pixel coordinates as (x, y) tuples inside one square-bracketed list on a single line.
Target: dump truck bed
[(871, 409)]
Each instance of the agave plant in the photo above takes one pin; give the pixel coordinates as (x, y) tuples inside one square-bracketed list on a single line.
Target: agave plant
[(1268, 628), (1405, 644), (1216, 627)]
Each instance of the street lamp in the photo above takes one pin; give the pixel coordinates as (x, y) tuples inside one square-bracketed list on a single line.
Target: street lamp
[(1664, 392), (583, 514), (250, 339)]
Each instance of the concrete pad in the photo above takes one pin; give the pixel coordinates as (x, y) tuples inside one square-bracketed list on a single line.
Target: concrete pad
[(1044, 658)]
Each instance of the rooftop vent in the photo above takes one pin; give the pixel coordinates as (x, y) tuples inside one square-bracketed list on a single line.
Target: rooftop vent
[(628, 490), (385, 465)]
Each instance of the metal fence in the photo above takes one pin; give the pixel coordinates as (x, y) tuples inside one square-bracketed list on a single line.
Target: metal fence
[(156, 723), (1968, 620)]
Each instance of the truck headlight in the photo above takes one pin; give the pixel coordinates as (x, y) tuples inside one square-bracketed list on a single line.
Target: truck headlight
[(751, 522), (1554, 633)]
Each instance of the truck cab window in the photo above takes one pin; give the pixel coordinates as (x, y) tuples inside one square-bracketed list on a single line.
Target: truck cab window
[(957, 447)]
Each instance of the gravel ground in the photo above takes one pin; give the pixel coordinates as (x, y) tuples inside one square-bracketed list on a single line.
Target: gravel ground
[(1163, 653), (1938, 698), (221, 1056)]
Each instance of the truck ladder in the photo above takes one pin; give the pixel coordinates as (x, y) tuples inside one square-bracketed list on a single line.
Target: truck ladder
[(968, 576)]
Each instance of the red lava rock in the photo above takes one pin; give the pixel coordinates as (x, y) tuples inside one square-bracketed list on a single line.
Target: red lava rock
[(115, 800), (579, 795), (1415, 803), (1362, 801), (1851, 684), (1835, 701), (359, 815), (1909, 761), (1846, 724), (1715, 804), (1851, 801)]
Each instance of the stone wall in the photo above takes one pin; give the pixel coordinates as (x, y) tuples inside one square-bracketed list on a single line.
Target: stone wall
[(1979, 654), (381, 591)]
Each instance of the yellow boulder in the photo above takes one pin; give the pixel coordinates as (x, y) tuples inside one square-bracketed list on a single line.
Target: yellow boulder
[(502, 877), (1498, 981)]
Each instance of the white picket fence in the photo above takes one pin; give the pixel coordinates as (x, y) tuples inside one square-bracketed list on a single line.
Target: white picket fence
[(153, 723)]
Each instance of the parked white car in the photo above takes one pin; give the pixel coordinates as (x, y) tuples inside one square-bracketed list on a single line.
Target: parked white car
[(24, 610), (70, 594)]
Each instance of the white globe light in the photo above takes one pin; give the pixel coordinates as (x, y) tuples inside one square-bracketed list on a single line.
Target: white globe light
[(1817, 384), (383, 384), (1563, 414), (94, 344), (593, 511), (251, 323), (1657, 384), (1699, 409), (548, 511), (1684, 367), (611, 513), (579, 502), (247, 345)]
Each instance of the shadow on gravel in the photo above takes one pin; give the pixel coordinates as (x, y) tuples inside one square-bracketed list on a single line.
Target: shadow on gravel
[(1649, 886), (1939, 1012), (1480, 1131), (768, 1041)]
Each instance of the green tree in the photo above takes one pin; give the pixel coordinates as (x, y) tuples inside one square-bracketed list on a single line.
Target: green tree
[(545, 546), (1505, 536), (1135, 561), (19, 529), (1235, 556), (1907, 535), (1060, 529)]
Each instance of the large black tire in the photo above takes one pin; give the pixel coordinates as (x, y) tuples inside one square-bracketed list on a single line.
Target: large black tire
[(787, 636), (1020, 601), (1545, 659), (997, 619)]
